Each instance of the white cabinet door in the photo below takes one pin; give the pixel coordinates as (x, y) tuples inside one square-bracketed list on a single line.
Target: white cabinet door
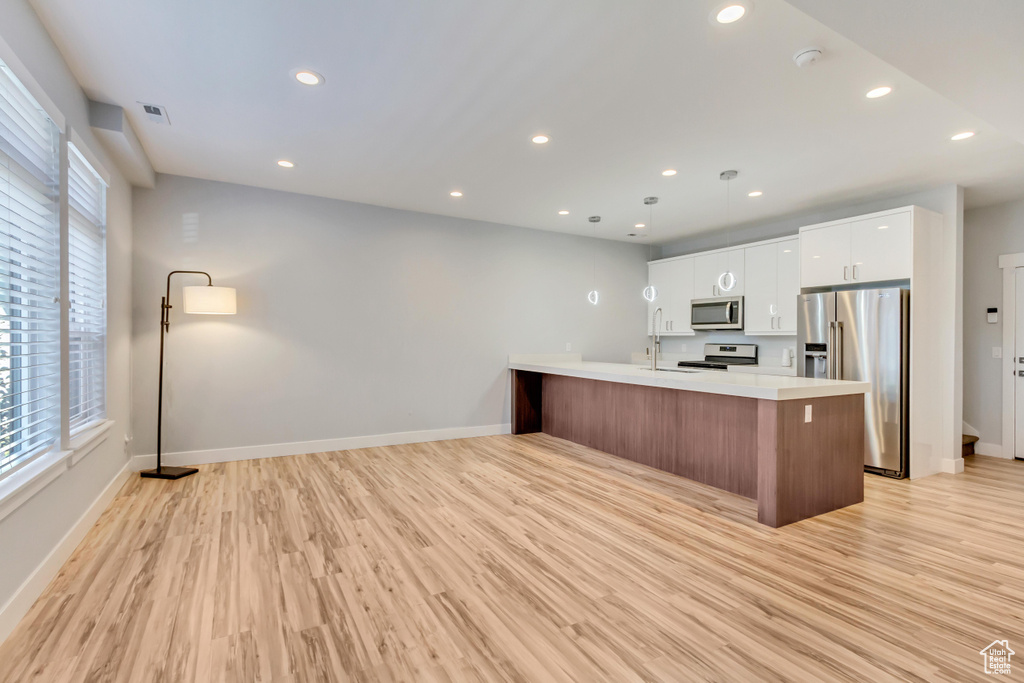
[(789, 285), (760, 306), (705, 276), (680, 280), (659, 275), (708, 268), (825, 256), (880, 248)]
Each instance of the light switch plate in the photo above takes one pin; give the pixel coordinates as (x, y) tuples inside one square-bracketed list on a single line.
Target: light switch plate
[(807, 413), (997, 351), (568, 346)]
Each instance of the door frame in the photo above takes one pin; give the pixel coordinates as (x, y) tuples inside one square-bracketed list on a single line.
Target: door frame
[(1009, 264)]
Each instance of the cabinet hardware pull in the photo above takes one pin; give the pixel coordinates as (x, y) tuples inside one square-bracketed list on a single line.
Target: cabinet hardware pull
[(846, 272), (855, 272), (773, 322)]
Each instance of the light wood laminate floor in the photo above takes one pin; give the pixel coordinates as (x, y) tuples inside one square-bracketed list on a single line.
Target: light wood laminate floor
[(525, 559)]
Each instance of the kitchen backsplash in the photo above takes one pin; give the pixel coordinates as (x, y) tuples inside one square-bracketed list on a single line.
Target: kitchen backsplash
[(769, 349)]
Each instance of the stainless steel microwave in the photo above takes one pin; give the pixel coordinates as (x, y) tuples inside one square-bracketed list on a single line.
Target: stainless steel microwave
[(721, 313)]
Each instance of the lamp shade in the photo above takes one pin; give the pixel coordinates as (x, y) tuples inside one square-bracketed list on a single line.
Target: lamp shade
[(209, 300)]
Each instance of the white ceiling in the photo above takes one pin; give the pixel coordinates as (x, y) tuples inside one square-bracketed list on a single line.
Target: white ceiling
[(423, 98)]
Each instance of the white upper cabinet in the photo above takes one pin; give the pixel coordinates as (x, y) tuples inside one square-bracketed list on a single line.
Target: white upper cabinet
[(872, 249), (708, 269), (674, 282), (773, 285), (825, 256), (789, 285), (880, 248)]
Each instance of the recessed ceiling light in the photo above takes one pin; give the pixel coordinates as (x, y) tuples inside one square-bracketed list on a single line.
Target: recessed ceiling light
[(815, 257), (786, 251), (307, 77), (455, 193), (639, 225), (755, 193), (878, 92), (540, 139), (563, 212), (730, 13), (670, 171), (883, 227), (285, 164), (963, 136)]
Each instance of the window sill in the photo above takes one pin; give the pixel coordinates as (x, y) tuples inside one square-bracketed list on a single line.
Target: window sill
[(18, 488)]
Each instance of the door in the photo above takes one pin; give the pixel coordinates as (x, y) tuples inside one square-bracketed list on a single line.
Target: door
[(825, 256), (1019, 366), (680, 282), (705, 276), (870, 338), (880, 248), (761, 306), (789, 285), (815, 314)]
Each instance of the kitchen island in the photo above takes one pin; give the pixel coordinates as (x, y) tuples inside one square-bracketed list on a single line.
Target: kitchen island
[(796, 445)]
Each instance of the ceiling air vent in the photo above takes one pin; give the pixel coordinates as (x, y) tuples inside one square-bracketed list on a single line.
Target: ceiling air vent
[(156, 113)]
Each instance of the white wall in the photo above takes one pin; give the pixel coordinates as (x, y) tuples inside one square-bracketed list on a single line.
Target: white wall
[(354, 319), (34, 530), (988, 233)]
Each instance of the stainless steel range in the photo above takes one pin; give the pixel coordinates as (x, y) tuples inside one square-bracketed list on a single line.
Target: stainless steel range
[(721, 356)]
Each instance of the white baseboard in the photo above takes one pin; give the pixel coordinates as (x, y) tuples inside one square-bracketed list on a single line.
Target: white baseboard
[(952, 465), (277, 450), (22, 600), (993, 449)]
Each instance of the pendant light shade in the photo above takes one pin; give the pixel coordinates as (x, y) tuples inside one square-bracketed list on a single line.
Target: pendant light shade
[(593, 296), (209, 300), (727, 280), (650, 292)]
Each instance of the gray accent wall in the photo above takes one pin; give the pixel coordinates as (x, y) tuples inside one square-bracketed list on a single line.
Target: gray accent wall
[(989, 232), (356, 320)]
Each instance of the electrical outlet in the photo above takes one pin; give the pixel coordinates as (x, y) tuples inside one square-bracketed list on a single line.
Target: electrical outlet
[(682, 348), (568, 346), (997, 351), (807, 413)]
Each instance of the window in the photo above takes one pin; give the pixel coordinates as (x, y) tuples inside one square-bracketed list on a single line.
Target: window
[(87, 288), (29, 276)]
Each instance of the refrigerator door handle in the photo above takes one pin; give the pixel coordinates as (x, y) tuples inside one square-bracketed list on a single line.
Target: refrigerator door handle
[(839, 350), (830, 351)]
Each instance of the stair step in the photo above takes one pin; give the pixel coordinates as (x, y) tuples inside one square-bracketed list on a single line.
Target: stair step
[(968, 444)]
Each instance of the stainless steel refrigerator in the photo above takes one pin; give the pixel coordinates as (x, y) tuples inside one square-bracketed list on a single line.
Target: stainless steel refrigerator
[(863, 335)]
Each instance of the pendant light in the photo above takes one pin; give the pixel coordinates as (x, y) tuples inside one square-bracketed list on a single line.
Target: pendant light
[(592, 295), (727, 280), (650, 291)]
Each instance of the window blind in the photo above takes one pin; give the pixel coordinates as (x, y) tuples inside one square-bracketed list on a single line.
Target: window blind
[(29, 276), (87, 287)]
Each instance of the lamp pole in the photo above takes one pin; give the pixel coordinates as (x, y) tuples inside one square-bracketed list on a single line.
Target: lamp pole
[(161, 472)]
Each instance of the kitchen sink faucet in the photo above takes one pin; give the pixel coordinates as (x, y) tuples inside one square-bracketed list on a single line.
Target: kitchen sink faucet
[(655, 338)]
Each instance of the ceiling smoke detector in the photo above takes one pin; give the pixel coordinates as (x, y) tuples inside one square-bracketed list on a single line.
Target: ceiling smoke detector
[(807, 56)]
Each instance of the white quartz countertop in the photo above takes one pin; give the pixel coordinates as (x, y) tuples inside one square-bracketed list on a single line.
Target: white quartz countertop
[(747, 385)]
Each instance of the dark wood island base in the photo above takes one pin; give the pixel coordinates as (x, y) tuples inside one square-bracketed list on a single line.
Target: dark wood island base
[(758, 448)]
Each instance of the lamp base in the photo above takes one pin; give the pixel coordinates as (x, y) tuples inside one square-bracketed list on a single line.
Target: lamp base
[(168, 473)]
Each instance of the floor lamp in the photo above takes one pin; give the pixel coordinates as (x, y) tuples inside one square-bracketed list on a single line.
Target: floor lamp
[(202, 300)]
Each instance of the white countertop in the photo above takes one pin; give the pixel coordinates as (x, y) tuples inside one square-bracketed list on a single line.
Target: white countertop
[(764, 370), (747, 385)]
